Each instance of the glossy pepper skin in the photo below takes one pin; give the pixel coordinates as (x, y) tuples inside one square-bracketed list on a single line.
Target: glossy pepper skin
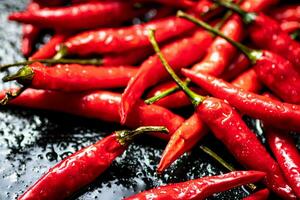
[(248, 81), (200, 188), (29, 32), (152, 71), (76, 171), (228, 126), (290, 26), (115, 40), (77, 17), (220, 52), (239, 64), (48, 50), (287, 156), (74, 77), (252, 104), (279, 75), (100, 105), (260, 195), (82, 167)]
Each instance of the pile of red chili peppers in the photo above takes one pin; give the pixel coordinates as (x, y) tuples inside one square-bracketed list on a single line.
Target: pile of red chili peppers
[(97, 48)]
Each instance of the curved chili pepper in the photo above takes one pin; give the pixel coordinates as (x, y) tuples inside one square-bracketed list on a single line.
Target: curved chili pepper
[(84, 166), (287, 156), (266, 33), (228, 126), (72, 77), (200, 188), (151, 71), (29, 32), (100, 105), (78, 17), (49, 49), (217, 59), (260, 195), (286, 13), (273, 70), (248, 81)]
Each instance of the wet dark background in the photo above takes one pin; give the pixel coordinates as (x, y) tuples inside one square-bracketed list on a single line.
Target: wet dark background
[(32, 141)]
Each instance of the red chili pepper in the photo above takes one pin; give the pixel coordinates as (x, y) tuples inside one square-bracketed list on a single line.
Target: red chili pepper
[(260, 195), (173, 3), (100, 105), (221, 52), (192, 130), (77, 17), (286, 13), (72, 77), (266, 33), (237, 66), (84, 166), (218, 58), (287, 156), (29, 32), (262, 60), (228, 126), (125, 39), (49, 50), (152, 72), (200, 188)]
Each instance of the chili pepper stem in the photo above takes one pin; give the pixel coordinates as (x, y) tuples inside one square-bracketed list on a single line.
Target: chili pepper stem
[(222, 162), (62, 52), (195, 98), (24, 75), (248, 17), (126, 136), (252, 54), (94, 61), (11, 95), (165, 93)]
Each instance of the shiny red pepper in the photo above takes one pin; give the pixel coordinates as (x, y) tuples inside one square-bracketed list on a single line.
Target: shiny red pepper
[(100, 105), (266, 33), (29, 32), (286, 13), (125, 39), (82, 167), (78, 17), (201, 188), (228, 126), (248, 81), (72, 77), (290, 26), (260, 195), (152, 72), (49, 49)]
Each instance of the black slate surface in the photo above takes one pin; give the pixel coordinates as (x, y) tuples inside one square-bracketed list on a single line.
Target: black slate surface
[(32, 141)]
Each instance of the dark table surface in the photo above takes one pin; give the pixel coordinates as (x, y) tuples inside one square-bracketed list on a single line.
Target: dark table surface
[(32, 141)]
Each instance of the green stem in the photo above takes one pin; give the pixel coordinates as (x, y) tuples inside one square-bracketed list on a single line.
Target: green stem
[(23, 76), (174, 89), (62, 52), (195, 98), (94, 61), (11, 95), (126, 136), (248, 17), (295, 35), (253, 55), (222, 162)]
